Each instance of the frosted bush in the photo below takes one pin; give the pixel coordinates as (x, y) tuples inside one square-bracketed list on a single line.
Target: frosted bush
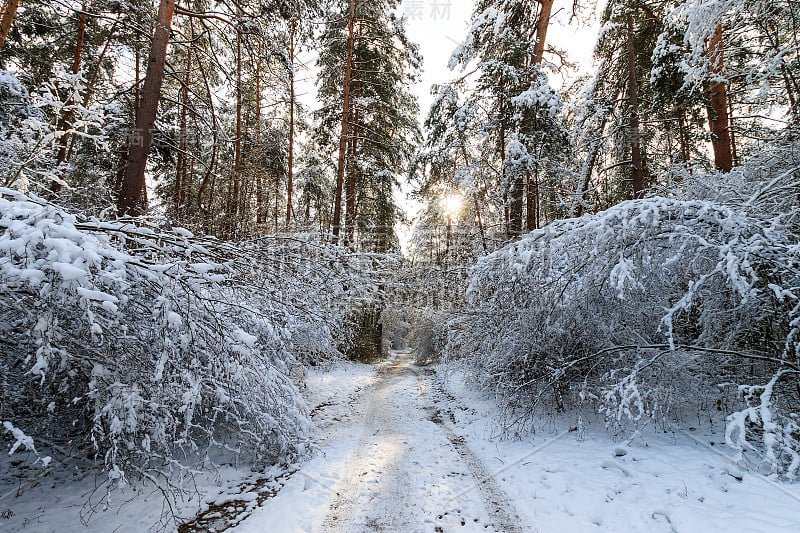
[(144, 346), (429, 334), (644, 310), (28, 128)]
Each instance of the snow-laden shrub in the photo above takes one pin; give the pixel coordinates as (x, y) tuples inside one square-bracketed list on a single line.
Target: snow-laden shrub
[(429, 331), (767, 187), (142, 346), (29, 132), (323, 288), (24, 132), (643, 309), (394, 328)]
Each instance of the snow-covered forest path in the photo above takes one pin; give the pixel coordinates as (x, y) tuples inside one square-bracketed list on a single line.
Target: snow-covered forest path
[(389, 461), (410, 470), (409, 449)]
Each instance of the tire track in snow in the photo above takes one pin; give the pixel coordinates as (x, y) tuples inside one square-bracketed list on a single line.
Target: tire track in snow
[(346, 498), (372, 473), (495, 500)]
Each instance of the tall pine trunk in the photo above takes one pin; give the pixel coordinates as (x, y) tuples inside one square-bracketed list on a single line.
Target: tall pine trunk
[(792, 90), (132, 196), (477, 205), (258, 177), (634, 133), (683, 134), (87, 97), (276, 210), (208, 177), (734, 152), (233, 202), (542, 24), (588, 167), (516, 207), (718, 106), (504, 175), (290, 173), (524, 192), (532, 201), (76, 68), (65, 119), (7, 20), (516, 193), (350, 212), (181, 171), (337, 199)]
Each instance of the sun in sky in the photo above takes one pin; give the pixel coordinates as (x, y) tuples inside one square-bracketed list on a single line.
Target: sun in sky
[(452, 204)]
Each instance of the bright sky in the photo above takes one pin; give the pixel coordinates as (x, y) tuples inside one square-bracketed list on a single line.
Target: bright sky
[(438, 26)]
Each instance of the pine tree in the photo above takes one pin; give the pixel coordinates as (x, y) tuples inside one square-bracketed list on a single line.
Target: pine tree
[(367, 66), (524, 137), (132, 194), (7, 19), (624, 55)]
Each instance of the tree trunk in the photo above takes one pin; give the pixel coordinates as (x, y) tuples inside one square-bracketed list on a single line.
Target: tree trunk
[(259, 200), (504, 175), (530, 202), (133, 194), (531, 199), (137, 93), (76, 68), (683, 135), (259, 181), (633, 116), (448, 239), (791, 90), (542, 24), (8, 19), (121, 166), (478, 216), (125, 151), (277, 193), (65, 120), (734, 152), (208, 177), (88, 95), (181, 171), (537, 210), (718, 106), (350, 179), (588, 167), (517, 206), (290, 174), (233, 205), (337, 200)]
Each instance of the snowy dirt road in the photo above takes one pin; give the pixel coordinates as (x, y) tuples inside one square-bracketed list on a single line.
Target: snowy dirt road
[(406, 449), (390, 462)]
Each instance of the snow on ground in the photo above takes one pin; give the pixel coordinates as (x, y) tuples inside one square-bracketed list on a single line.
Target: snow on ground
[(576, 481), (418, 451), (66, 501), (389, 466), (404, 449)]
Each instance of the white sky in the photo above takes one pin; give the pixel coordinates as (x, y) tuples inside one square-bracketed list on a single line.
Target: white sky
[(438, 26)]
